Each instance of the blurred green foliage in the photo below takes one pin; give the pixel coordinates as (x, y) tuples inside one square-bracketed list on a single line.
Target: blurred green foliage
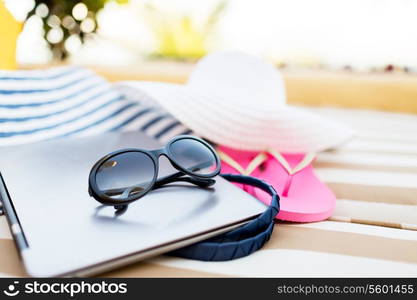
[(66, 25), (178, 36)]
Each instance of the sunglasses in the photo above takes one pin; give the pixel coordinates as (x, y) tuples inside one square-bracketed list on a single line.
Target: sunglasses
[(126, 175)]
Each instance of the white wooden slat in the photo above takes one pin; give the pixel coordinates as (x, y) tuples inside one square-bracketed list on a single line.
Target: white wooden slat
[(383, 128), (380, 146), (366, 116), (368, 160), (365, 119), (376, 213), (369, 178), (378, 231), (374, 186), (379, 135), (374, 125)]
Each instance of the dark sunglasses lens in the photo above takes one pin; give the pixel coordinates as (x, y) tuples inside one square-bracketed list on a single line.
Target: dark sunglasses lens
[(193, 156), (125, 175)]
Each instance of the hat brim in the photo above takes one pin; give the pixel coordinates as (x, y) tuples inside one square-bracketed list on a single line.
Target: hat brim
[(284, 128)]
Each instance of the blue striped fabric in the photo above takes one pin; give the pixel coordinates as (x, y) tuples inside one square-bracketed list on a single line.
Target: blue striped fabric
[(40, 105)]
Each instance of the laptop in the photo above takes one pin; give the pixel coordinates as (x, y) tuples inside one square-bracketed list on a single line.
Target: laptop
[(59, 230)]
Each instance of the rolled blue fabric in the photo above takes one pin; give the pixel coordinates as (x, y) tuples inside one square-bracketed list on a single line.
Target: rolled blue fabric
[(38, 105)]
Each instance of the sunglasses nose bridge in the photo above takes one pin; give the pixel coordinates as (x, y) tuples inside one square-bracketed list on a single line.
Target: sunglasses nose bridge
[(158, 153)]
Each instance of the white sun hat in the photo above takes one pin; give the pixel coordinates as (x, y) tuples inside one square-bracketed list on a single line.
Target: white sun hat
[(239, 101)]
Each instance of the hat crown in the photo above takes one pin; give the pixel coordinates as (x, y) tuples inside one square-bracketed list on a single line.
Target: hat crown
[(240, 78)]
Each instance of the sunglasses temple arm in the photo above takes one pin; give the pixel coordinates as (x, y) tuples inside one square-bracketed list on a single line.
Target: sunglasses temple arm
[(181, 177)]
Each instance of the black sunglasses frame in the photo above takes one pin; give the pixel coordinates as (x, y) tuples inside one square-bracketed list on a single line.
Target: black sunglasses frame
[(202, 180)]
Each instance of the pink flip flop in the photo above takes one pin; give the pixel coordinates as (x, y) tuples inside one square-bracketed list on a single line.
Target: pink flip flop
[(304, 198)]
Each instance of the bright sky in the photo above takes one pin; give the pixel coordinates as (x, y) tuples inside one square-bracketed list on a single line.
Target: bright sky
[(362, 33)]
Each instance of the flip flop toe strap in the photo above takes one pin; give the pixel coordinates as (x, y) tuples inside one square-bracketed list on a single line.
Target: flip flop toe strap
[(308, 158), (243, 240), (254, 163)]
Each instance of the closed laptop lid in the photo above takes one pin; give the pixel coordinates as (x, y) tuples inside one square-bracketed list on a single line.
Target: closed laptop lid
[(66, 230)]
